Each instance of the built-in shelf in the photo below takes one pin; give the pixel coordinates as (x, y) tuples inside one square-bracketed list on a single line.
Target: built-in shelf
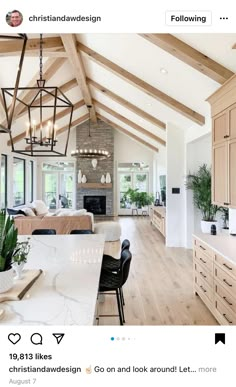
[(95, 185)]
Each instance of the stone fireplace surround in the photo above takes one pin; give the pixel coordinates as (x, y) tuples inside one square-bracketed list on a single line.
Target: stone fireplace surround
[(102, 136)]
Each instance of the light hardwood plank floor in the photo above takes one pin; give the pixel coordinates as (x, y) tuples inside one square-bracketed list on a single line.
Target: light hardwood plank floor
[(159, 290)]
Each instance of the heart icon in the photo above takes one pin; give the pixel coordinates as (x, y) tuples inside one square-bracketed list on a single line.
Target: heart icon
[(14, 338)]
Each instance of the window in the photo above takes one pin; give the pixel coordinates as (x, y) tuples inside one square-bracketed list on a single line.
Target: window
[(18, 181), (3, 181), (31, 181)]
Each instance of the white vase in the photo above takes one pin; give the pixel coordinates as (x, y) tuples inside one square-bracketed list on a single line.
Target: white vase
[(6, 280), (108, 178), (80, 176), (84, 179), (206, 226), (103, 179), (18, 268)]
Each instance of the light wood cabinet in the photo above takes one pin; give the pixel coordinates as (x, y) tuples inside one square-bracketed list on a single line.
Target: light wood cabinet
[(223, 109), (214, 279), (158, 215)]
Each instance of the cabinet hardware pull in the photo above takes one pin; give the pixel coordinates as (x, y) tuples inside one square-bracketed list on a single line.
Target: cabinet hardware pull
[(224, 280), (226, 204), (204, 276), (203, 248), (203, 288), (227, 267), (230, 322), (226, 136), (202, 260), (229, 303)]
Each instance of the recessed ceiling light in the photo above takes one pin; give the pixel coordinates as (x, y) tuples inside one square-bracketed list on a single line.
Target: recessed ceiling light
[(149, 104), (163, 71)]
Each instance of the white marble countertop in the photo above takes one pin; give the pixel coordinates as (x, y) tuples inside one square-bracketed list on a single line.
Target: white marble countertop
[(222, 244), (66, 292)]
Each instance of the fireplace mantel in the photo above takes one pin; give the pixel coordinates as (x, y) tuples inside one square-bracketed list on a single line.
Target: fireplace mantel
[(95, 185)]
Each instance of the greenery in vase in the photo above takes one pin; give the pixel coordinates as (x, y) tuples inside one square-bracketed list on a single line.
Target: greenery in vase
[(21, 252), (200, 184)]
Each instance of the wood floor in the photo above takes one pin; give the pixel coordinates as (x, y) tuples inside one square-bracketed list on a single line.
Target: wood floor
[(159, 289)]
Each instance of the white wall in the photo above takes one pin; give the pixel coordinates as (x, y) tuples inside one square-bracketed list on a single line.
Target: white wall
[(175, 203)]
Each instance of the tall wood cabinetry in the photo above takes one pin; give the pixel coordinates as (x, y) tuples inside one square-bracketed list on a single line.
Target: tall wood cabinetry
[(223, 109)]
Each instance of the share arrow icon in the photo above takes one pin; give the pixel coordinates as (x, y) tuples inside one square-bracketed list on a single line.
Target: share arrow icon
[(58, 337)]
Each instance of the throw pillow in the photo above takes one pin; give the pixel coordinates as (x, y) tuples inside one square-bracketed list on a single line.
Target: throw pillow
[(40, 207), (13, 212), (79, 212), (28, 211)]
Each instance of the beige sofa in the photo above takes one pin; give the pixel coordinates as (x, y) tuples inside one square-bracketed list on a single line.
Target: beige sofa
[(62, 224)]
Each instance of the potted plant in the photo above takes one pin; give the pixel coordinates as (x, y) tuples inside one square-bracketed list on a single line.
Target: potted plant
[(140, 199), (8, 242), (10, 250), (200, 184), (19, 257)]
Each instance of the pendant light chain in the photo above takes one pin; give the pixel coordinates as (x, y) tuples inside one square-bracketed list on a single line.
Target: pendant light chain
[(41, 57)]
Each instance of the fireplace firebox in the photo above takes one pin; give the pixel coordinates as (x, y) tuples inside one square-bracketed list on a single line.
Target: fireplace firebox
[(95, 204)]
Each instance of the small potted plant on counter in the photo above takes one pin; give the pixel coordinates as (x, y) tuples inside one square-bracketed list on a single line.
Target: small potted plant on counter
[(12, 252), (200, 184), (19, 257)]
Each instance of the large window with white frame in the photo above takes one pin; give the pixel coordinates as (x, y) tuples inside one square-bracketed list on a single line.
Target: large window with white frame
[(3, 181), (18, 181)]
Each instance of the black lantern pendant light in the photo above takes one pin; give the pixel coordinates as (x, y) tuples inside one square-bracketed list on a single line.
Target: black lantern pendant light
[(44, 108)]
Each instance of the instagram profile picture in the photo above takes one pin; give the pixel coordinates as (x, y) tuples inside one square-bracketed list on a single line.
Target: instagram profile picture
[(14, 18)]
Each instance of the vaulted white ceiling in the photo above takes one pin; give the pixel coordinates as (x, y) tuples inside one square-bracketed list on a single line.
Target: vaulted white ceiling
[(142, 59)]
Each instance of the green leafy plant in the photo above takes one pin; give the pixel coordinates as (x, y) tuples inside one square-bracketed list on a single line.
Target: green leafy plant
[(141, 199), (21, 252), (8, 241), (10, 249), (200, 184)]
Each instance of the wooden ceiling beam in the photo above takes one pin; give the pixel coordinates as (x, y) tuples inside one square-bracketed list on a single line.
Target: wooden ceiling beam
[(142, 85), (190, 56), (78, 121), (125, 131), (59, 115), (74, 57), (15, 46), (129, 123), (127, 104)]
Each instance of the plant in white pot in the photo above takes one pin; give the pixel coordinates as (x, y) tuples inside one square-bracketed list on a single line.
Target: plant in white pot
[(19, 257), (12, 252), (200, 184)]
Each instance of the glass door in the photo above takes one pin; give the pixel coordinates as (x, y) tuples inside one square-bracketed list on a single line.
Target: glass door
[(59, 185), (125, 182), (50, 189), (132, 180)]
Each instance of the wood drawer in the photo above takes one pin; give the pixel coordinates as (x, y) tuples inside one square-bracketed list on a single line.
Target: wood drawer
[(205, 274), (227, 266), (226, 298), (225, 280), (228, 317), (204, 248), (203, 287), (203, 259)]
